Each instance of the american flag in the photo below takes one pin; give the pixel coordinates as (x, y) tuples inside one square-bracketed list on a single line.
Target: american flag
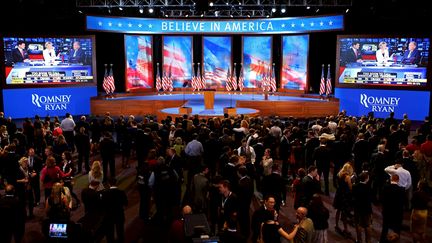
[(241, 79), (194, 81), (228, 81), (273, 79), (144, 64), (165, 81), (139, 72), (158, 79), (265, 80), (233, 80), (201, 79), (170, 80), (108, 82), (291, 75), (322, 89), (328, 82), (175, 60)]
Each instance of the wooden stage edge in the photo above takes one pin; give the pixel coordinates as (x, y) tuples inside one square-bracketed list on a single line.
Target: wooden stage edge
[(303, 109)]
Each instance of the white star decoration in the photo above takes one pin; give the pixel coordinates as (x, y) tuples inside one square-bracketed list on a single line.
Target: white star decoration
[(312, 24), (100, 23), (109, 24), (321, 23), (292, 25), (119, 24), (283, 25), (331, 23), (150, 26), (140, 25), (302, 24), (130, 25)]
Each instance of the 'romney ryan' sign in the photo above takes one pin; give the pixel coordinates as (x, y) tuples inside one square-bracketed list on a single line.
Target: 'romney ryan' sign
[(205, 26)]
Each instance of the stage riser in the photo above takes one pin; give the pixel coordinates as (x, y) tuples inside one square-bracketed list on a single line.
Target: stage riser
[(131, 107)]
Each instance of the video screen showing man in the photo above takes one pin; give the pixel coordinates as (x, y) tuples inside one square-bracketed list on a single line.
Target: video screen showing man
[(353, 55), (412, 55), (76, 54), (19, 54)]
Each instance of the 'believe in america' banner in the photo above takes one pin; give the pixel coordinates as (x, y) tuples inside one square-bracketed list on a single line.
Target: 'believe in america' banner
[(205, 26)]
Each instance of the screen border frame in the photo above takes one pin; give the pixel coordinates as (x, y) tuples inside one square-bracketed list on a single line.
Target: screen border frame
[(427, 87), (4, 85)]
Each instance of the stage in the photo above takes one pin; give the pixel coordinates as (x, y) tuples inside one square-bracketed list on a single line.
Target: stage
[(247, 103)]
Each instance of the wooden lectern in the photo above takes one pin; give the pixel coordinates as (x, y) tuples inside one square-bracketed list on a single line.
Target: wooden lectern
[(209, 95)]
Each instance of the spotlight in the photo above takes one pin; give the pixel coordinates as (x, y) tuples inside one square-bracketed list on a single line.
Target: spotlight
[(231, 15), (150, 10), (248, 16), (268, 16), (211, 4), (187, 15), (307, 7), (166, 15), (227, 3), (347, 10), (120, 8), (202, 15), (239, 3), (109, 10), (274, 10), (283, 10), (141, 10), (216, 13), (79, 11), (317, 10)]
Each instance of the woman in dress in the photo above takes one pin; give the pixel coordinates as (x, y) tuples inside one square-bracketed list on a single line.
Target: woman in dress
[(343, 198), (96, 174), (267, 162), (271, 231)]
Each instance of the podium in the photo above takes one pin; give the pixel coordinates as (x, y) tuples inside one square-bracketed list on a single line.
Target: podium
[(209, 95)]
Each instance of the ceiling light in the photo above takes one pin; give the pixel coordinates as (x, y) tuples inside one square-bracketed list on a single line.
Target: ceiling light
[(120, 8), (202, 15), (231, 15), (216, 13), (283, 10), (317, 10), (307, 7), (109, 10), (79, 11), (166, 15), (150, 10), (187, 15), (274, 10), (268, 16), (211, 4), (141, 10), (347, 10), (248, 16)]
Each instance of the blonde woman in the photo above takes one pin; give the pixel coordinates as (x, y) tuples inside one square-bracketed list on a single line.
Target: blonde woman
[(382, 54), (96, 174), (56, 205), (49, 54), (343, 198)]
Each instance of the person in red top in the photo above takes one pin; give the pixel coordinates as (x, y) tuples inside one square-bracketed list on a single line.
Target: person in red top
[(426, 147), (51, 174), (413, 146), (57, 130)]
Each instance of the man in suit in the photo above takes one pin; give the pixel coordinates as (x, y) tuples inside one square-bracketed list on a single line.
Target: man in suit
[(76, 54), (362, 207), (323, 156), (274, 184), (353, 55), (116, 200), (392, 207), (245, 191), (259, 214), (229, 205), (107, 149), (13, 217), (35, 165), (20, 54), (412, 55), (311, 185)]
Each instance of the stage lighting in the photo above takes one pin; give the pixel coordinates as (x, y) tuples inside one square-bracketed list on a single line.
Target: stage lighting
[(120, 8), (80, 12), (166, 15), (211, 4), (283, 10), (274, 10), (248, 16), (347, 10), (141, 10), (231, 15), (202, 15), (216, 13), (151, 10), (317, 10), (109, 10), (307, 7), (268, 16)]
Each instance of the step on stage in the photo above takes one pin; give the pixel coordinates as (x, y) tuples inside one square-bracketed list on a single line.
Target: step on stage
[(162, 105)]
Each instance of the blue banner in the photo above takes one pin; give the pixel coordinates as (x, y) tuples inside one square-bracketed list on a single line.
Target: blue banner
[(205, 26), (47, 101), (360, 102)]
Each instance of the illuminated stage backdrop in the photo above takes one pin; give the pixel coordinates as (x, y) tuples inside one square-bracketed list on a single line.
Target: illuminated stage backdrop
[(217, 60), (177, 59), (294, 62), (139, 62), (257, 59)]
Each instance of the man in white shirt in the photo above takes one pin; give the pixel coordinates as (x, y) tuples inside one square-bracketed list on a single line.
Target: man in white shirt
[(404, 180), (68, 126)]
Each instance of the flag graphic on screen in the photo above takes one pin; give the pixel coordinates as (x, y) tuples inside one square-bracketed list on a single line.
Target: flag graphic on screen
[(217, 59), (328, 82), (108, 82), (177, 56), (228, 85), (139, 72), (241, 79), (165, 81), (322, 89), (158, 79), (273, 79)]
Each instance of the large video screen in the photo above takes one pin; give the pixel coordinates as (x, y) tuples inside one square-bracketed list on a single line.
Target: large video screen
[(382, 61), (177, 59), (49, 60), (139, 62), (257, 59), (295, 49), (217, 60)]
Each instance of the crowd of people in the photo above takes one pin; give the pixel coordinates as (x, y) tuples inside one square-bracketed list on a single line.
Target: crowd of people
[(217, 167)]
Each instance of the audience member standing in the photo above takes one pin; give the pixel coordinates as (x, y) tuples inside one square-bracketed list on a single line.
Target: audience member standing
[(35, 166), (311, 185), (362, 207), (419, 213), (343, 198), (306, 230), (322, 156), (229, 204), (107, 149), (116, 200), (392, 207), (83, 146), (258, 216), (12, 213), (68, 127), (96, 174), (245, 190), (319, 215)]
